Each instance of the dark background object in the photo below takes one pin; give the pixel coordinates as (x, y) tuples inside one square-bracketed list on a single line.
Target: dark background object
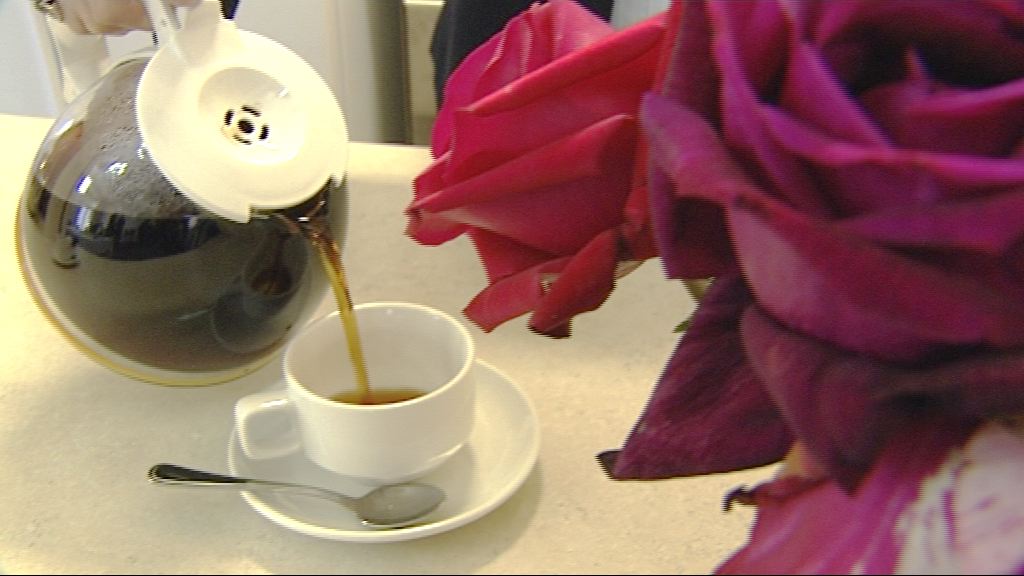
[(228, 7)]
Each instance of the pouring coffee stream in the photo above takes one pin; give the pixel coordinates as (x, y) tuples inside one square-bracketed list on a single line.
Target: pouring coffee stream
[(316, 231)]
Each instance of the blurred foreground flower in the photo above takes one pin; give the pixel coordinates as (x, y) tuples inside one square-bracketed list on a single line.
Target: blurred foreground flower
[(851, 174), (856, 185), (937, 501)]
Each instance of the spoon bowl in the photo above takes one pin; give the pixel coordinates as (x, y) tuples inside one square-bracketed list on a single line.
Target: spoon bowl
[(389, 506)]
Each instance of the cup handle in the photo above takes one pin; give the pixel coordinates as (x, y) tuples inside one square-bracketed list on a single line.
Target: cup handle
[(266, 425)]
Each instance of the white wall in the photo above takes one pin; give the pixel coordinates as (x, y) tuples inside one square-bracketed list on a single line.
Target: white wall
[(626, 12)]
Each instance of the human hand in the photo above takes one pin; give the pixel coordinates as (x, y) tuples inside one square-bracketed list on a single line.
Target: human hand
[(104, 16)]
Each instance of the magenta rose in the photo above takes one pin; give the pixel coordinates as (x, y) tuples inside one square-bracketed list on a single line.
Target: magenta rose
[(538, 159), (852, 174)]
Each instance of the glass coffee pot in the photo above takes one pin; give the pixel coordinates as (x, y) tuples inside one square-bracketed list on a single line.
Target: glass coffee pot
[(157, 226)]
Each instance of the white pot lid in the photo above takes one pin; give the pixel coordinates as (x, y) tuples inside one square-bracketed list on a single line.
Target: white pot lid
[(234, 120)]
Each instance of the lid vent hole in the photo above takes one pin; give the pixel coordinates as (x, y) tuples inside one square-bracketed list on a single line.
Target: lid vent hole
[(243, 124)]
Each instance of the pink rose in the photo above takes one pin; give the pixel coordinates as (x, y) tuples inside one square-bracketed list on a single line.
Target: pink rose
[(538, 159), (852, 173)]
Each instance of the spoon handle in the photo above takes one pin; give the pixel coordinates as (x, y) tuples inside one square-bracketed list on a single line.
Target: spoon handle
[(174, 475)]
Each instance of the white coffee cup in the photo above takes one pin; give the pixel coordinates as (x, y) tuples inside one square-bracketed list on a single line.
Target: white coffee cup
[(406, 345)]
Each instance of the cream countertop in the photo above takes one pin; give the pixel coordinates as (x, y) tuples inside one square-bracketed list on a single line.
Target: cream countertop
[(76, 439)]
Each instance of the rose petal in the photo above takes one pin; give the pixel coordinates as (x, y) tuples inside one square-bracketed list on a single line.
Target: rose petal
[(843, 406), (940, 500), (985, 35), (689, 151), (556, 289), (691, 173), (566, 27), (708, 413), (744, 129), (865, 178), (511, 296), (502, 257), (812, 94), (990, 225), (831, 401), (818, 528), (569, 94), (583, 285), (430, 229), (979, 122), (691, 78), (583, 179), (697, 249), (759, 34), (984, 385), (831, 289)]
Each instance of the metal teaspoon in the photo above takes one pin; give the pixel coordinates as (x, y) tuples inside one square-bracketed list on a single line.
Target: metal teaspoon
[(390, 506)]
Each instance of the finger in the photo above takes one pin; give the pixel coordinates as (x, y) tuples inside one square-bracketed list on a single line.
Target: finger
[(103, 16)]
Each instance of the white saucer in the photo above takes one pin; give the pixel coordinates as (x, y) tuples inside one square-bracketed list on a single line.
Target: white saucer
[(485, 472)]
